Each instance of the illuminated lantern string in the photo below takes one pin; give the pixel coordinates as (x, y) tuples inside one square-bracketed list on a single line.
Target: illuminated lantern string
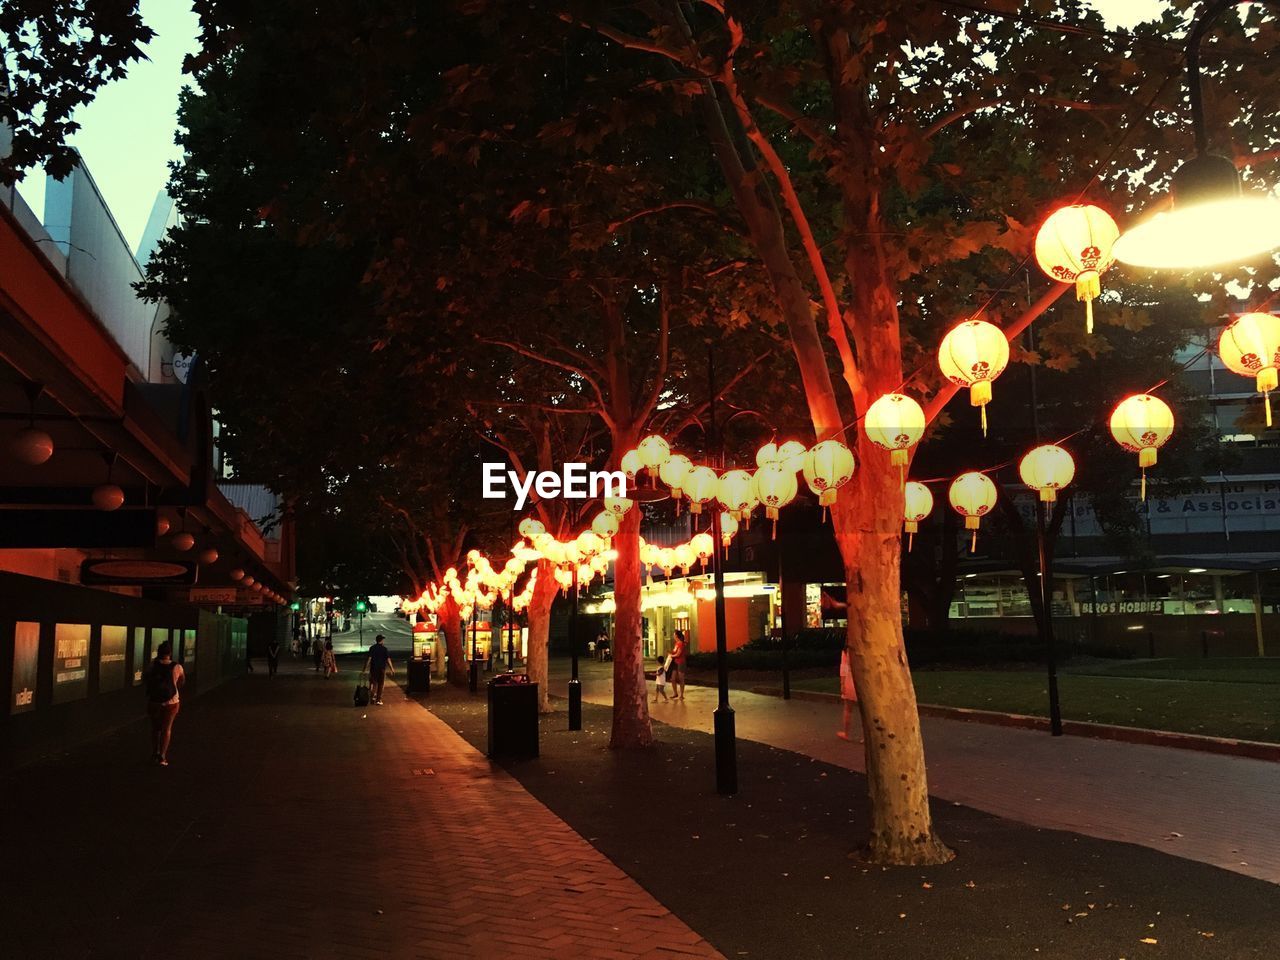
[(530, 528), (775, 487), (631, 464), (896, 423), (1251, 347), (1142, 424), (605, 526), (1048, 469), (618, 506), (673, 472), (918, 504), (1075, 246), (700, 486), (972, 495), (734, 492), (654, 452), (729, 527), (827, 468), (973, 354)]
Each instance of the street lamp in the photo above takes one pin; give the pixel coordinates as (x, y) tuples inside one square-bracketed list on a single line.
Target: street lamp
[(1211, 221), (361, 607), (724, 720), (575, 685), (473, 678), (1047, 469)]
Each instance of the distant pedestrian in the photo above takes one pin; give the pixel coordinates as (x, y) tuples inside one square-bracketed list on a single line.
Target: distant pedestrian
[(273, 657), (317, 651), (660, 679), (848, 694), (164, 681), (330, 663), (602, 644), (678, 654), (378, 665)]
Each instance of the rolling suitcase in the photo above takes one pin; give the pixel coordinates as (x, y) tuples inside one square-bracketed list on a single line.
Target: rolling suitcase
[(362, 694)]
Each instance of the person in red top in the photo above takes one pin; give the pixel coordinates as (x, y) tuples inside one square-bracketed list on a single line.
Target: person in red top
[(678, 654)]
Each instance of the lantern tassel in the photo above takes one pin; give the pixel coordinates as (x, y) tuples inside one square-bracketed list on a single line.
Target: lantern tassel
[(1088, 286), (983, 408), (973, 544), (1088, 316), (774, 536), (1266, 403), (911, 540), (1144, 483)]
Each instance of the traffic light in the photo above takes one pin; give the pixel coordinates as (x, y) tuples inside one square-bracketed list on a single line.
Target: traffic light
[(361, 606), (295, 606)]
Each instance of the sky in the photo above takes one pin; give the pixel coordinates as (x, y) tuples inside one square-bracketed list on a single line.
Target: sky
[(126, 135)]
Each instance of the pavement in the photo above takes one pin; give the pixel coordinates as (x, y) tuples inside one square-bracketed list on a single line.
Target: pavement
[(1211, 809), (293, 824)]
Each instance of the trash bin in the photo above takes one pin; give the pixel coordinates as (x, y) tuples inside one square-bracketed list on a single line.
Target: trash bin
[(513, 717), (418, 676)]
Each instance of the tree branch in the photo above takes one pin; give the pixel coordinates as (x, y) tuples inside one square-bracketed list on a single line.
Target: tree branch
[(709, 209), (552, 362)]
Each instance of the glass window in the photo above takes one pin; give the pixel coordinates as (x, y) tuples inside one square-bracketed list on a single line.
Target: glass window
[(139, 653)]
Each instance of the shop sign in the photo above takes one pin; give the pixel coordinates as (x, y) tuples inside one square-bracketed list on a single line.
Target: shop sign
[(1123, 606), (213, 595)]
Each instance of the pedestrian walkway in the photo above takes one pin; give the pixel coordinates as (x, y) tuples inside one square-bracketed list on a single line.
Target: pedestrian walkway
[(293, 824), (1214, 809)]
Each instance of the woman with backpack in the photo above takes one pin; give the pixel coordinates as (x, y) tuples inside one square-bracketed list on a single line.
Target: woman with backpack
[(164, 681)]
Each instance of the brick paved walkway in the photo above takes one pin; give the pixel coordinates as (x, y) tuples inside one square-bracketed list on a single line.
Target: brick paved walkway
[(293, 824), (1213, 809)]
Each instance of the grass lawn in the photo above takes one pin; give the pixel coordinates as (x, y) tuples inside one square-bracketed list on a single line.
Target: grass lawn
[(1212, 697)]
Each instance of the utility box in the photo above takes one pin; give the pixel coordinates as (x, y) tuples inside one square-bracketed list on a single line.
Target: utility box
[(513, 717)]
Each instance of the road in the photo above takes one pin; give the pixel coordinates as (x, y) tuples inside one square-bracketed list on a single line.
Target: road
[(396, 629)]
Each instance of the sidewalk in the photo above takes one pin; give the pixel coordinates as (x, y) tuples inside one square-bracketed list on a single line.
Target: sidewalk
[(1213, 809), (292, 824)]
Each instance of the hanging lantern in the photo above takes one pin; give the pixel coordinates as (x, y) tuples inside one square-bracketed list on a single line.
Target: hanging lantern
[(530, 528), (654, 452), (31, 446), (729, 528), (775, 487), (827, 468), (734, 492), (673, 472), (208, 556), (917, 504), (972, 496), (108, 497), (236, 574), (700, 485), (1251, 347), (564, 578), (791, 455), (605, 526), (247, 582), (703, 546), (666, 560), (631, 464), (896, 423), (767, 454), (1142, 424), (589, 544), (649, 555), (685, 557), (1047, 468), (973, 354), (1074, 246), (183, 542), (618, 506), (162, 526)]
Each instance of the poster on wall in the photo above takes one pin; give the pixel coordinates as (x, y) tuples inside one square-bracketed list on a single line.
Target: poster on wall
[(26, 663), (139, 653), (188, 646), (70, 661), (111, 658)]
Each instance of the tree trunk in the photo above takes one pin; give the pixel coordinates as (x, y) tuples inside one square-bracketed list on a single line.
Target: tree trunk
[(901, 824), (631, 726), (451, 624), (544, 594)]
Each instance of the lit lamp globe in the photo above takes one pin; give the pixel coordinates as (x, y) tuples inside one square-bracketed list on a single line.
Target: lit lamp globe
[(208, 556), (31, 446), (236, 574), (685, 557), (1048, 468), (631, 464), (1075, 245), (1251, 347), (183, 542), (895, 422), (703, 546), (735, 494), (666, 560), (654, 452), (108, 497), (701, 485), (917, 504), (1211, 221), (775, 487), (162, 526), (827, 468), (973, 354), (1142, 424), (972, 495), (673, 472), (247, 582), (530, 528)]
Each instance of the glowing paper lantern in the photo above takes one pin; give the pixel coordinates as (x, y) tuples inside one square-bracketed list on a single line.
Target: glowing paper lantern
[(618, 506), (673, 472), (31, 446), (183, 542), (703, 546), (605, 526), (208, 556), (791, 455), (631, 464), (827, 468), (589, 544), (767, 454), (1048, 469), (734, 492), (918, 504), (530, 528), (685, 557), (700, 485), (654, 452), (108, 497), (973, 354), (1075, 246), (1142, 424), (729, 528), (972, 496), (896, 423), (236, 574), (1251, 347)]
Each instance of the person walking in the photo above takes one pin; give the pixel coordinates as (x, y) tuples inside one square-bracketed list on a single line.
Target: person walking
[(330, 662), (678, 654), (378, 665), (848, 694), (317, 652), (660, 679), (273, 657), (164, 681)]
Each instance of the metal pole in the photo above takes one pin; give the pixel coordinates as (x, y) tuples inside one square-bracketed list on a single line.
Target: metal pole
[(361, 629), (1257, 614), (511, 650), (575, 685), (782, 609), (1046, 593), (725, 734), (473, 670)]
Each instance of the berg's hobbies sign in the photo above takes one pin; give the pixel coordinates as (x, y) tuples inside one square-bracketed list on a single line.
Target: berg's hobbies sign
[(1123, 606), (573, 482)]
